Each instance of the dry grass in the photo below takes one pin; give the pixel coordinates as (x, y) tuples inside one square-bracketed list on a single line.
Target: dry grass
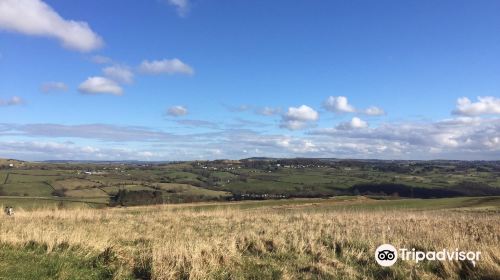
[(179, 242)]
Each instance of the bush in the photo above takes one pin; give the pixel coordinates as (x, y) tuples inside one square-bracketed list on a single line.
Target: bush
[(143, 197)]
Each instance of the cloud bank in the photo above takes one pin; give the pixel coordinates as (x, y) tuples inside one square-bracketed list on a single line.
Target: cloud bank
[(483, 106)]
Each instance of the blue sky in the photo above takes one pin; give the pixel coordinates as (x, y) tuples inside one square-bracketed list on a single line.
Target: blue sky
[(199, 79)]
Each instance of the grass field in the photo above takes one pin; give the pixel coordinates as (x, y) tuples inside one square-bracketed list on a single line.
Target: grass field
[(189, 190), (275, 239), (223, 180), (34, 203), (27, 189), (73, 183)]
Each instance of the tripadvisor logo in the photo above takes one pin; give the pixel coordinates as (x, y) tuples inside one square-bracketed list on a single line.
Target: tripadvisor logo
[(387, 255)]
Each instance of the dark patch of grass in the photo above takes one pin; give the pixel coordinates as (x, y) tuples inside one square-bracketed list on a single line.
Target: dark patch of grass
[(143, 265), (32, 261), (257, 270)]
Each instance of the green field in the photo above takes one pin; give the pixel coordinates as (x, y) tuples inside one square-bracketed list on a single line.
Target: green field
[(362, 203), (27, 189), (252, 179), (31, 203)]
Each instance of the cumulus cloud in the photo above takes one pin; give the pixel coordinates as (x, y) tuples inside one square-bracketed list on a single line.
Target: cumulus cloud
[(13, 101), (53, 86), (119, 73), (177, 111), (483, 106), (299, 117), (302, 113), (167, 66), (34, 17), (181, 5), (338, 104), (354, 123), (100, 85)]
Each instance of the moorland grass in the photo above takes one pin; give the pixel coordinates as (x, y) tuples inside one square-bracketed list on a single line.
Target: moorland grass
[(307, 240)]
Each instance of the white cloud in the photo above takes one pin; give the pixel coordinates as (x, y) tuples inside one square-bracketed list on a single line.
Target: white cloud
[(100, 85), (338, 104), (355, 123), (302, 113), (13, 101), (53, 86), (34, 17), (459, 138), (374, 111), (119, 73), (272, 144), (484, 106), (168, 66), (176, 111), (181, 5), (298, 117)]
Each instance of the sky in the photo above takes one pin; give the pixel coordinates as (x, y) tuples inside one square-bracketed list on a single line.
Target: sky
[(167, 80)]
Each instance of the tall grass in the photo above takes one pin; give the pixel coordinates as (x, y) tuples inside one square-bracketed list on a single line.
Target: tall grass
[(177, 242)]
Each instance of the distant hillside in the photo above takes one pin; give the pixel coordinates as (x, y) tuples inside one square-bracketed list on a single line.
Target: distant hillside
[(15, 163)]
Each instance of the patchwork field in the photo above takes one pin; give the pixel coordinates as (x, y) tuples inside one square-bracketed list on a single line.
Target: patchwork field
[(140, 184)]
